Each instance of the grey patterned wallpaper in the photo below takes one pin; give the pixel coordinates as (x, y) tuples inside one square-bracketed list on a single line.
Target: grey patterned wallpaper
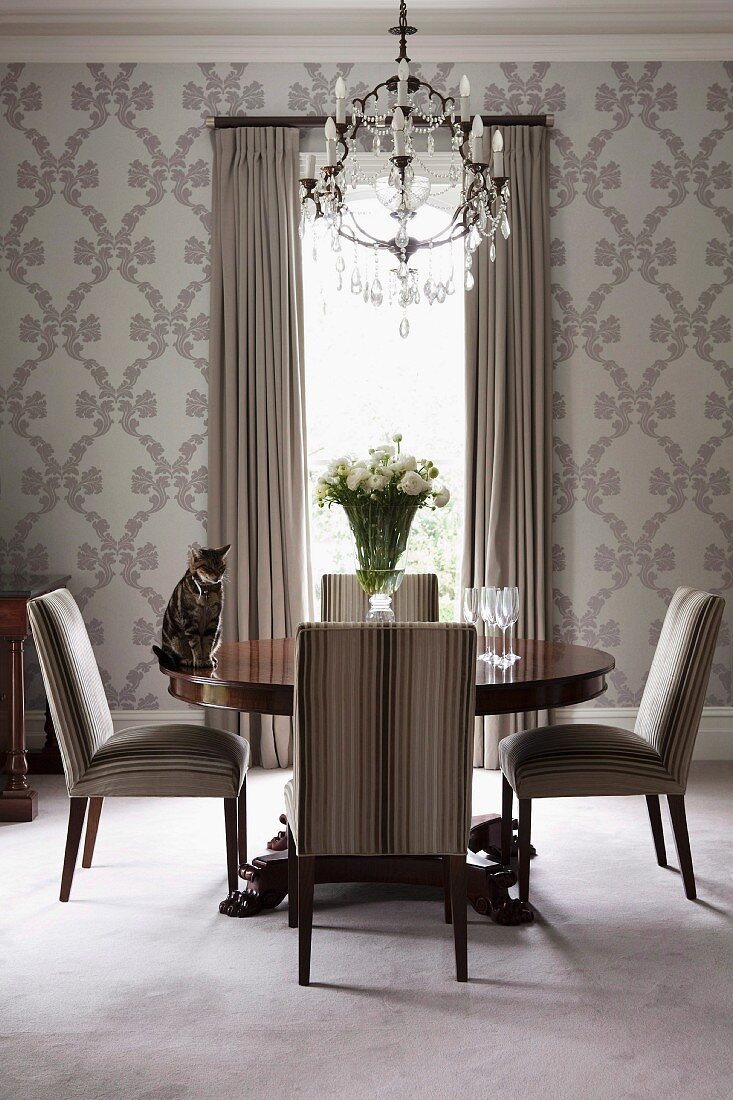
[(104, 227)]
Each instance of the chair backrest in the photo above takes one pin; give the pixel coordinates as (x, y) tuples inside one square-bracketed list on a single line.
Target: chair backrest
[(674, 694), (383, 752), (343, 600), (73, 685)]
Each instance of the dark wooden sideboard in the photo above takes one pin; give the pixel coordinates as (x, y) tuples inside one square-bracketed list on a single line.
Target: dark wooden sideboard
[(18, 802)]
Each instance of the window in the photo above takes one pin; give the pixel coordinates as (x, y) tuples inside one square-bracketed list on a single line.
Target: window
[(364, 382)]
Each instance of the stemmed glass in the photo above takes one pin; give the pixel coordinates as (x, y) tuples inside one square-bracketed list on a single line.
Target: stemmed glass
[(513, 595), (489, 601), (503, 619), (470, 605)]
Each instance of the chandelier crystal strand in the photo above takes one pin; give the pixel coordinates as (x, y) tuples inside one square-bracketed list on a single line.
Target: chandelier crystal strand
[(405, 113)]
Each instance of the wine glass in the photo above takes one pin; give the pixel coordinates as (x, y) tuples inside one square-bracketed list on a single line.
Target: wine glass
[(503, 618), (470, 605), (489, 598), (514, 606)]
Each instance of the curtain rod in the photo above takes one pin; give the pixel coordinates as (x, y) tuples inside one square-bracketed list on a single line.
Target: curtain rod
[(310, 122)]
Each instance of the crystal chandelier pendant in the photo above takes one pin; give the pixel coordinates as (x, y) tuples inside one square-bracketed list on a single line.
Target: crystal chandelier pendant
[(403, 115)]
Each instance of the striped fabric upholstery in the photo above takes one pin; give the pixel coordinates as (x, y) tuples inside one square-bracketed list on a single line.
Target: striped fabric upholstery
[(561, 761), (669, 714), (176, 760), (180, 760), (558, 761), (343, 600), (73, 685), (383, 739)]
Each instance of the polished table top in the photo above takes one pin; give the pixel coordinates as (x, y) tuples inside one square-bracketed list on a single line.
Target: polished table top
[(258, 676)]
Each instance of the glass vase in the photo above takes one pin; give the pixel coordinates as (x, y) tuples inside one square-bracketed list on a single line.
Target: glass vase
[(381, 535)]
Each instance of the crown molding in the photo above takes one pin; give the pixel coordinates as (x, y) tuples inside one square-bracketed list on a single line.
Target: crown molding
[(369, 48)]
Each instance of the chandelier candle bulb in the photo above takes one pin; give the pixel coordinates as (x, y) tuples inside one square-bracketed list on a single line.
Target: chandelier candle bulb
[(310, 167), (404, 75), (340, 100), (465, 90), (331, 135), (477, 139), (398, 129), (497, 144)]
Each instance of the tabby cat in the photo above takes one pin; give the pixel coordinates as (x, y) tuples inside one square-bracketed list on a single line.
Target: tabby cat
[(192, 620)]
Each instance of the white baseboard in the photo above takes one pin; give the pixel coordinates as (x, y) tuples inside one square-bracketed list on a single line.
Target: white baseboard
[(714, 741)]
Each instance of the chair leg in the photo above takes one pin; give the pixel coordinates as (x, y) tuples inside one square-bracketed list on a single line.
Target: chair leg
[(242, 823), (655, 820), (95, 809), (507, 805), (446, 890), (525, 830), (458, 896), (676, 804), (306, 882), (292, 881), (230, 826), (77, 809)]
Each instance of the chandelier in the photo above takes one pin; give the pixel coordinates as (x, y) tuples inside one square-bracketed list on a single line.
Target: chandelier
[(401, 112)]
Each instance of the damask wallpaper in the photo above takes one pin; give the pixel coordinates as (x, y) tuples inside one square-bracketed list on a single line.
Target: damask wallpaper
[(104, 224)]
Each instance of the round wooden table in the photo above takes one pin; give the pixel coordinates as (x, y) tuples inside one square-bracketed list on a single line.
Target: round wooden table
[(258, 677)]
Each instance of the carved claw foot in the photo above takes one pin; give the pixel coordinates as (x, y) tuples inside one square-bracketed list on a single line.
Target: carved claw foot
[(513, 911), (241, 903), (279, 843), (488, 892)]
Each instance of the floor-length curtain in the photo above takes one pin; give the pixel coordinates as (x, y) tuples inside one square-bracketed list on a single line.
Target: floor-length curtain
[(257, 449), (508, 402)]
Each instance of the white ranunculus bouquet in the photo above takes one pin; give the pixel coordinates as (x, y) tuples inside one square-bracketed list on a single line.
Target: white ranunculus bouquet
[(386, 477), (381, 495)]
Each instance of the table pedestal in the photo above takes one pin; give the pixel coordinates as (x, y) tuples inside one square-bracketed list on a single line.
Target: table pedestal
[(488, 882)]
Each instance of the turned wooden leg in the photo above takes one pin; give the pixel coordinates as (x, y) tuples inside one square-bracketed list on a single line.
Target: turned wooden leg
[(446, 891), (306, 882), (95, 809), (655, 820), (507, 805), (676, 804), (292, 881), (230, 826), (242, 823), (77, 809), (458, 892), (525, 848), (17, 802)]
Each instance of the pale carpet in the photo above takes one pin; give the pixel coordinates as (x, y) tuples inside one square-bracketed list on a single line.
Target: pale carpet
[(138, 988)]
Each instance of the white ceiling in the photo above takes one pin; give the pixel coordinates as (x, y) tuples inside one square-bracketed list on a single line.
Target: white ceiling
[(296, 30)]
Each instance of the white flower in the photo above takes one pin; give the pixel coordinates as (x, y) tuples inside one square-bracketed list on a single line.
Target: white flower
[(441, 497), (355, 476), (321, 490), (408, 462), (397, 437), (337, 464), (386, 450), (376, 482), (412, 484)]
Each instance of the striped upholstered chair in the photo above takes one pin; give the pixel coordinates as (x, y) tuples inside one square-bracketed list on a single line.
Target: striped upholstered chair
[(561, 761), (180, 760), (382, 756), (343, 599)]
